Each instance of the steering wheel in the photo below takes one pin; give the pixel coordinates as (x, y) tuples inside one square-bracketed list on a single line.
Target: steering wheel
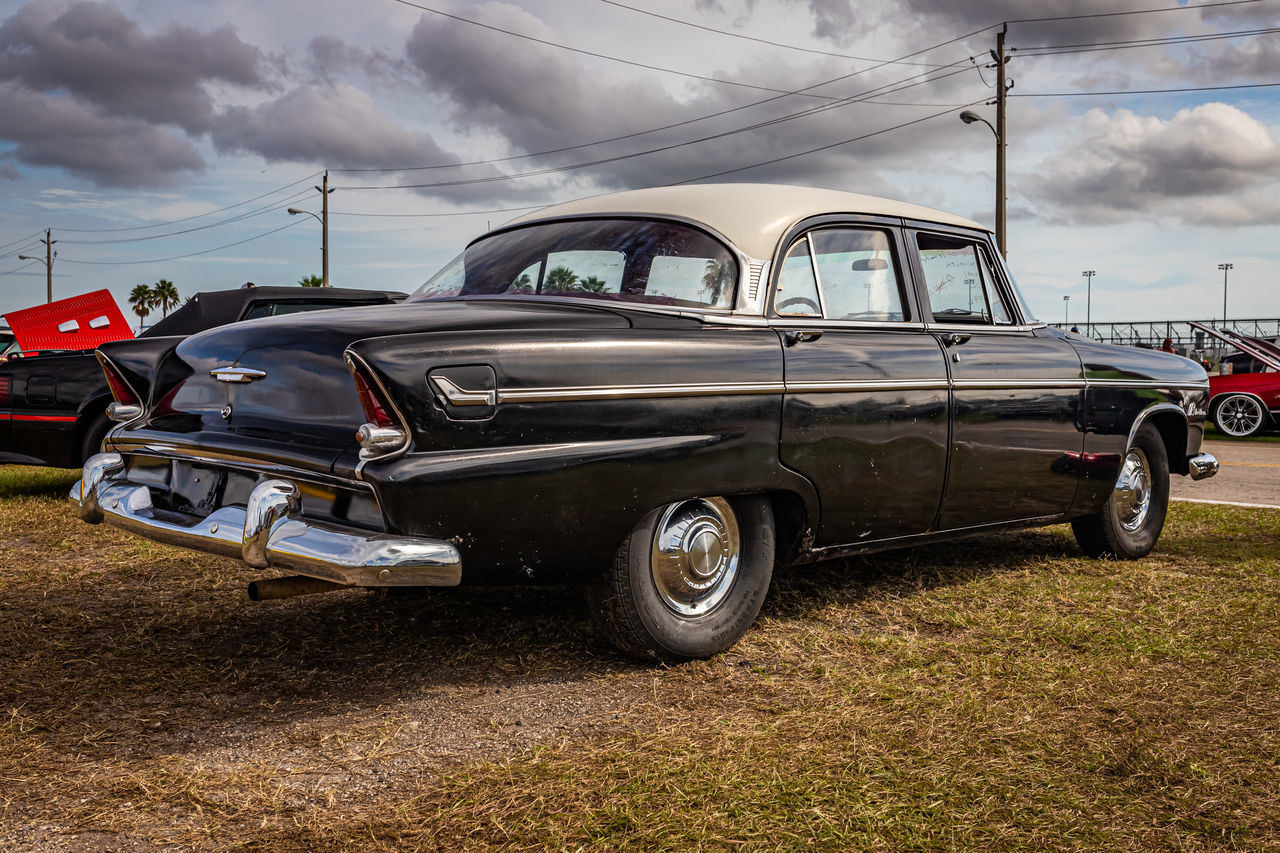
[(798, 300)]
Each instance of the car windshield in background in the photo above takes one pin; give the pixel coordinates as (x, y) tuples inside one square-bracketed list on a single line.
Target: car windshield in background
[(656, 263)]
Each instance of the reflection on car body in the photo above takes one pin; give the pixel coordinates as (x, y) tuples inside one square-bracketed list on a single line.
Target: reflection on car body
[(657, 394)]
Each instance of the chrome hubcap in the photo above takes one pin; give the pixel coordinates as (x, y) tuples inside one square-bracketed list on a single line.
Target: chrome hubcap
[(695, 555), (1239, 415), (1133, 490)]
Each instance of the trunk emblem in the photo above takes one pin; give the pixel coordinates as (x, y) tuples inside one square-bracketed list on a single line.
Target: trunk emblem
[(237, 374)]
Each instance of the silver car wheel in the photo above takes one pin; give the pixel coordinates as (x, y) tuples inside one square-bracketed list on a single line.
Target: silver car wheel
[(1133, 490), (1239, 415), (695, 555)]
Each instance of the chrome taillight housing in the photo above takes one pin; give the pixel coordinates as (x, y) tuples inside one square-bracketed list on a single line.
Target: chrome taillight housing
[(384, 433), (127, 405)]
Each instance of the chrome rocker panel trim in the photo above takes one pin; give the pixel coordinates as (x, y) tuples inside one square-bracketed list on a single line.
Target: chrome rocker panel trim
[(268, 533)]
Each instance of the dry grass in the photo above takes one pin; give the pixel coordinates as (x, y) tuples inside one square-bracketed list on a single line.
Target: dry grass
[(999, 693)]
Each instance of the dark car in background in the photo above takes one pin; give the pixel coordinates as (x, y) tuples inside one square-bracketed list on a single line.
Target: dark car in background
[(53, 404), (657, 394)]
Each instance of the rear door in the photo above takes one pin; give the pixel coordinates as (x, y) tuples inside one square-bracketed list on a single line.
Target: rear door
[(865, 412), (1016, 391)]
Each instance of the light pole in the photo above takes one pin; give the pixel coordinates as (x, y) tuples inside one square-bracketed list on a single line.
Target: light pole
[(1225, 269), (969, 117), (1088, 299), (1066, 312), (324, 244), (323, 219), (47, 260)]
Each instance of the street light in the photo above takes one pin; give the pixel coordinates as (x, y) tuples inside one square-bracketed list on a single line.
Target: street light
[(1088, 299), (324, 244), (47, 260), (969, 117), (1066, 312), (1225, 269)]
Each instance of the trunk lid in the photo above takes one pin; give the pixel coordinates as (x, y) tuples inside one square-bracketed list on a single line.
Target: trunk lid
[(278, 390)]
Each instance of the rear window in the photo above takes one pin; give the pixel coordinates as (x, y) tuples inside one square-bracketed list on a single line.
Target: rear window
[(627, 260)]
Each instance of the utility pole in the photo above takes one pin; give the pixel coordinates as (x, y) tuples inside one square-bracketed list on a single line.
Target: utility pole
[(324, 229), (1066, 312), (1088, 299), (47, 260), (1002, 89), (1225, 269)]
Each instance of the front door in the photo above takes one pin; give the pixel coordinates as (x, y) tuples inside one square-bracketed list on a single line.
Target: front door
[(1016, 393)]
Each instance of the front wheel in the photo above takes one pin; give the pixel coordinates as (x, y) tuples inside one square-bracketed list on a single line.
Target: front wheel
[(1240, 416), (1131, 521), (689, 580)]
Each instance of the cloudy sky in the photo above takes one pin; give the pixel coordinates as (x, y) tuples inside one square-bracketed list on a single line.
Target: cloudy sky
[(166, 138)]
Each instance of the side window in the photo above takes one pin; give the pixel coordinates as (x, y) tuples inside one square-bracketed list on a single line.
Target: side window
[(527, 281), (857, 274), (797, 294), (959, 282)]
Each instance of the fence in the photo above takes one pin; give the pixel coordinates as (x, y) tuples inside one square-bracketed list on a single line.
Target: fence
[(1152, 333)]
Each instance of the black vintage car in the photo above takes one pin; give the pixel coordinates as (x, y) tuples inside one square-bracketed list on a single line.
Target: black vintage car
[(657, 394), (53, 404)]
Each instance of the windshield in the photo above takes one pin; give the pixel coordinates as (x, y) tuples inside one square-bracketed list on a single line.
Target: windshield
[(656, 263)]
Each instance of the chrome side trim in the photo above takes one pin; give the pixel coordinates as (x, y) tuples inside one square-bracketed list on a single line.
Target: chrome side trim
[(1014, 384), (268, 533), (1149, 383), (461, 397), (868, 385), (603, 392), (231, 373)]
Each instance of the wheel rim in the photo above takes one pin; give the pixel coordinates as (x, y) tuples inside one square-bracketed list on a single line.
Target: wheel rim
[(1133, 490), (695, 556), (1239, 415)]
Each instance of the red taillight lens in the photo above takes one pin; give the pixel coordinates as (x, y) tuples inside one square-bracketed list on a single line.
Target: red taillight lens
[(376, 407), (119, 388), (4, 388)]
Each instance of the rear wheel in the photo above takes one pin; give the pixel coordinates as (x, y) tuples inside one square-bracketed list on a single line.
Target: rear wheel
[(1240, 415), (1131, 521), (689, 580), (93, 436)]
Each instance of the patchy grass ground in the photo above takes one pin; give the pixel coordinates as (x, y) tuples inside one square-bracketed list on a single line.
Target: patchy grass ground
[(1001, 693)]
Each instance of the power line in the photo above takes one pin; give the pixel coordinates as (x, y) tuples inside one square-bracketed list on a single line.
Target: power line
[(1064, 50), (277, 205), (448, 213), (18, 269), (1141, 91), (192, 254), (664, 148), (825, 147), (757, 40), (26, 239), (190, 218), (592, 53), (1133, 12)]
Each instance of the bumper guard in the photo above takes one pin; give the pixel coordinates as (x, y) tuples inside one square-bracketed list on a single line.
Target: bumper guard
[(268, 533)]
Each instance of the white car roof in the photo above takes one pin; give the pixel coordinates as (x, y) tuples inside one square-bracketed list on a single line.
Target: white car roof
[(752, 216)]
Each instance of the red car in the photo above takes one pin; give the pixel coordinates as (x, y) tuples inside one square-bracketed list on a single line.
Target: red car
[(1246, 400)]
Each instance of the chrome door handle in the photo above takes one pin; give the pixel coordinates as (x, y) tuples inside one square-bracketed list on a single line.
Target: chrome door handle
[(953, 339), (799, 336)]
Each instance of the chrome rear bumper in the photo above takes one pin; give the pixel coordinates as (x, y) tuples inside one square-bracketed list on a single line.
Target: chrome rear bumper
[(267, 533)]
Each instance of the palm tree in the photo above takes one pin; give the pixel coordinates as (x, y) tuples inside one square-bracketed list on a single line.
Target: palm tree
[(165, 295), (560, 279), (311, 281), (141, 298)]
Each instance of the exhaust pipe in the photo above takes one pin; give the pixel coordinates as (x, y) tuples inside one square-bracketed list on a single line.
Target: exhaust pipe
[(269, 588)]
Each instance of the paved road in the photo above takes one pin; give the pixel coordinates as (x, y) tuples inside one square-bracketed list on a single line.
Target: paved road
[(1250, 474)]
